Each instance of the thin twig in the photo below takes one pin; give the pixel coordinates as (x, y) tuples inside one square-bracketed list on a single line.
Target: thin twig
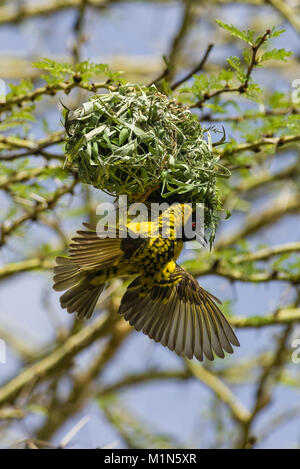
[(195, 70)]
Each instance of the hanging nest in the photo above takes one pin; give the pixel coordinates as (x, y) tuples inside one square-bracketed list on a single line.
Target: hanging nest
[(135, 141)]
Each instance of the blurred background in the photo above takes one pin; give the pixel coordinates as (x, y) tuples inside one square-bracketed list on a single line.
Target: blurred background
[(113, 387)]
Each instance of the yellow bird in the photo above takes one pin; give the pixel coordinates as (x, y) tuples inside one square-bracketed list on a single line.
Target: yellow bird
[(164, 301)]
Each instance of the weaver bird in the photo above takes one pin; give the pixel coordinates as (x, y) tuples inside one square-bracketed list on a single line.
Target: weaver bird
[(164, 301)]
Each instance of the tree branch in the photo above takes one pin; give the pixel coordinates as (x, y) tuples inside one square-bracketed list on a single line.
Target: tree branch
[(8, 228), (59, 358), (239, 412)]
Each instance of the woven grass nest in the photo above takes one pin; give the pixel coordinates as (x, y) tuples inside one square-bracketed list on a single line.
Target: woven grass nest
[(135, 141)]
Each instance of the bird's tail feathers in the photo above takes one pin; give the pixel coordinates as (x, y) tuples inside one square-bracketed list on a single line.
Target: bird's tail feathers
[(66, 274), (81, 297)]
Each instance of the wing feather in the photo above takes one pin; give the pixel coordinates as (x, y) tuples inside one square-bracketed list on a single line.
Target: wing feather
[(92, 249), (163, 331), (190, 331), (180, 315)]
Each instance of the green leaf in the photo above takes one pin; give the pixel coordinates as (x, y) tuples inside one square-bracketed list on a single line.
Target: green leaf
[(237, 65), (275, 33), (22, 88), (275, 54), (123, 135), (246, 36)]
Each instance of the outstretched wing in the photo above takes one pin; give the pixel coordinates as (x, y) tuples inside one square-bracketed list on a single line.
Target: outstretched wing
[(179, 314), (88, 253), (93, 250)]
